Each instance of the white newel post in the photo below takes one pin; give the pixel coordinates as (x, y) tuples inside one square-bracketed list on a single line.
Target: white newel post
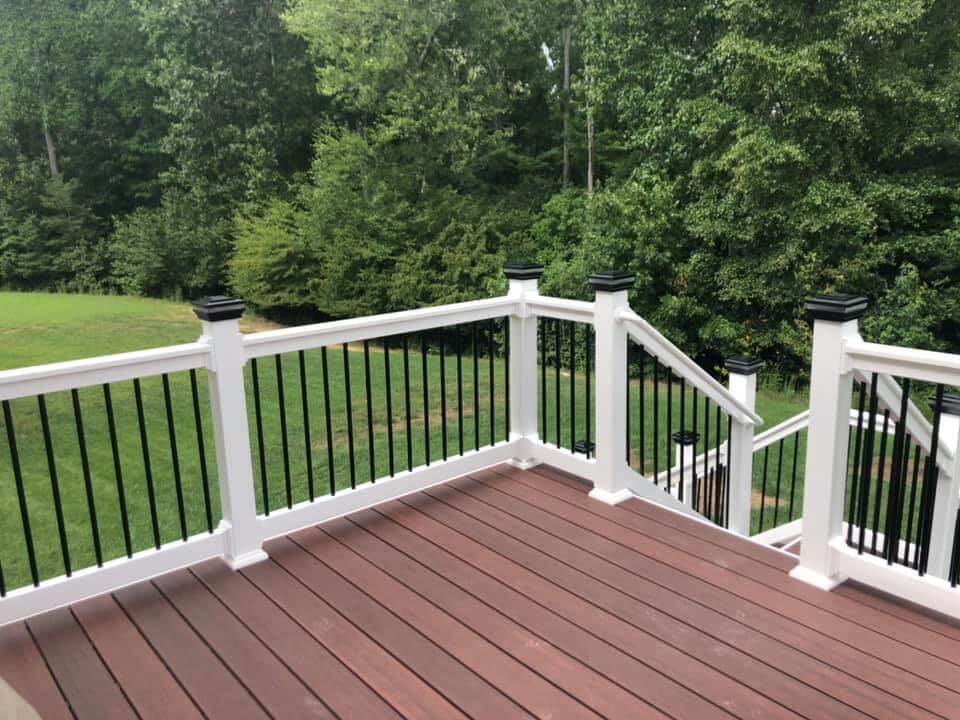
[(243, 539), (948, 491), (743, 386), (831, 386), (523, 279), (610, 485)]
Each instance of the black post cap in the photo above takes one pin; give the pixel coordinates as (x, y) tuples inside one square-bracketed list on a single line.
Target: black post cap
[(218, 307), (685, 437), (523, 270), (836, 308), (743, 365), (950, 404), (611, 281)]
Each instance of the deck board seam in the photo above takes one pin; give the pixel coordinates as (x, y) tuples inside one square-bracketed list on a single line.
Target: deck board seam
[(751, 629), (501, 613), (444, 650), (589, 602), (547, 641), (53, 675), (780, 591)]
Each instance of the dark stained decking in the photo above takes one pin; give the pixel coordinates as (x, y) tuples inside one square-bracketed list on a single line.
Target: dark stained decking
[(505, 594)]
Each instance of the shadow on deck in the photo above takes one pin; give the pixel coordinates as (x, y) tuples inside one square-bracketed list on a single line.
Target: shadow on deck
[(504, 594)]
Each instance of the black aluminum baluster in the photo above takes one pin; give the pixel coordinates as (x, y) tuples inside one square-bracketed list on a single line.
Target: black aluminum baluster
[(284, 440), (866, 465), (776, 502), (54, 485), (793, 472), (148, 471), (878, 500), (87, 480), (506, 379), (954, 575), (894, 502), (854, 486), (174, 456), (930, 481), (683, 420), (588, 389), (643, 410), (921, 516), (258, 414), (443, 391), (371, 438), (118, 470), (706, 443), (349, 406), (573, 386), (328, 420), (305, 409), (914, 484), (406, 399), (21, 493), (669, 454), (201, 450), (491, 366), (541, 334), (763, 488), (628, 403), (656, 421), (476, 386), (391, 458), (726, 475), (459, 389), (696, 437), (556, 358), (424, 375)]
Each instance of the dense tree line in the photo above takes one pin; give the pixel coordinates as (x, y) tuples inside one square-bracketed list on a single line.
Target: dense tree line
[(354, 157)]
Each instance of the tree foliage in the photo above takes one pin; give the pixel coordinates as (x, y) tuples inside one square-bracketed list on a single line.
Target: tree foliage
[(375, 155)]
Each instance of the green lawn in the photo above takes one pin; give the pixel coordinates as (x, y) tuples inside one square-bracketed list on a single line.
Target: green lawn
[(45, 328)]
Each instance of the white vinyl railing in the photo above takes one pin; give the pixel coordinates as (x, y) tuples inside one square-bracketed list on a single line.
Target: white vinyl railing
[(826, 559), (223, 352)]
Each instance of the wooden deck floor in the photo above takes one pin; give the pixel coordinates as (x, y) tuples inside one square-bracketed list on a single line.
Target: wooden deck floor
[(503, 595)]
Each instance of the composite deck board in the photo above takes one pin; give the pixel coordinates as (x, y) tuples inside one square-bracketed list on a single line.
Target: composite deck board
[(25, 670), (86, 683), (776, 590), (877, 673), (929, 643), (768, 663), (502, 594), (150, 687)]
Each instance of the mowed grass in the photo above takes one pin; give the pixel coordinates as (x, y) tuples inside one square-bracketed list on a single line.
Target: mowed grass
[(45, 328)]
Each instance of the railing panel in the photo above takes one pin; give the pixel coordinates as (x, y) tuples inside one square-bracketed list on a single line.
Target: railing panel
[(327, 419), (103, 472), (566, 384)]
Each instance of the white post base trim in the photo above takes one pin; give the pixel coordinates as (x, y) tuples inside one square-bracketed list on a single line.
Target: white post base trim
[(524, 464), (811, 577), (611, 498), (251, 558)]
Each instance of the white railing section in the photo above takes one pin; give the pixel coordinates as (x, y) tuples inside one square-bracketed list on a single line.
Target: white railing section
[(839, 354), (223, 351)]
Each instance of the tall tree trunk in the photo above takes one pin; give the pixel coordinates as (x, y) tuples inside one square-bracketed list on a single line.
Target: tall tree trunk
[(51, 151), (566, 104), (590, 150)]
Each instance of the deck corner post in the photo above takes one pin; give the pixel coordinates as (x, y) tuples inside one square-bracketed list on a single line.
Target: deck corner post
[(742, 384), (243, 539), (523, 278), (947, 502), (611, 482), (835, 322)]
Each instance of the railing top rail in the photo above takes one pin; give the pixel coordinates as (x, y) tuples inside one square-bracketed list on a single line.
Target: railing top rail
[(561, 308), (782, 430), (305, 337), (74, 374), (670, 355), (928, 365)]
